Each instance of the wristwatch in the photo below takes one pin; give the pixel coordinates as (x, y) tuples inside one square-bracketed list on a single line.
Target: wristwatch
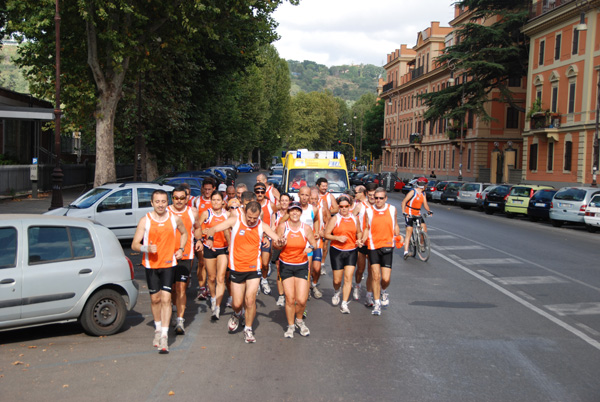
[(311, 247), (210, 238), (182, 249)]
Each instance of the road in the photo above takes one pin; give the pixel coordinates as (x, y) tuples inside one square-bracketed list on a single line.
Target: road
[(504, 310)]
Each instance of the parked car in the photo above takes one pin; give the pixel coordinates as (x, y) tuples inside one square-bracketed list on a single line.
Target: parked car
[(437, 193), (495, 199), (118, 206), (245, 168), (483, 195), (430, 188), (223, 175), (450, 194), (591, 216), (408, 186), (569, 204), (61, 269), (276, 166), (276, 180), (388, 181), (370, 178), (539, 204), (201, 174), (518, 199), (469, 194), (193, 182), (356, 180)]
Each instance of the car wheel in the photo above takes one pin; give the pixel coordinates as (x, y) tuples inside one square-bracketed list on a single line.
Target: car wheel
[(489, 211), (556, 223), (509, 215), (104, 313), (442, 202), (591, 229)]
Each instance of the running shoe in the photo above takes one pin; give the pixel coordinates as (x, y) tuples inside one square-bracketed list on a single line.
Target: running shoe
[(229, 301), (281, 301), (385, 299), (335, 300), (376, 310), (179, 330), (216, 311), (316, 292), (249, 336), (323, 270), (344, 308), (304, 331), (234, 322), (202, 293), (156, 340), (289, 332), (406, 255), (269, 271), (356, 292), (369, 302), (265, 286), (163, 346)]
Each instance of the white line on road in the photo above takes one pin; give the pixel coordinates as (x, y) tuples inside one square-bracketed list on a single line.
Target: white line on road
[(588, 329), (486, 273), (575, 308), (523, 302), (442, 236), (530, 280), (525, 295), (490, 261), (473, 247)]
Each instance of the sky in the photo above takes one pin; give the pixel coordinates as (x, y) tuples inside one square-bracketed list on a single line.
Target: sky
[(337, 32)]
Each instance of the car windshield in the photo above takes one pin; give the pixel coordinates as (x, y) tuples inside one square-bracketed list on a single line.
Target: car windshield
[(278, 172), (520, 191), (90, 198), (453, 186), (336, 179), (570, 194)]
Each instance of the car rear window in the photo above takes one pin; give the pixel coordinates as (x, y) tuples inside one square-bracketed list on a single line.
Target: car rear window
[(470, 187), (453, 186), (595, 202), (441, 186), (520, 191), (8, 247), (500, 190), (543, 195), (570, 194)]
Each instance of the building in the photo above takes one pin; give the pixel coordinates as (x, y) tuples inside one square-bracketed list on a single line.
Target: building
[(472, 149), (564, 64)]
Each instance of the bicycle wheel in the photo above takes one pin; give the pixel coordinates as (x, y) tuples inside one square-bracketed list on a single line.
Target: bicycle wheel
[(412, 248), (423, 248)]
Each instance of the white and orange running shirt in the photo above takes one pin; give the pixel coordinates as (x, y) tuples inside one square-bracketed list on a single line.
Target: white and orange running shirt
[(293, 252), (187, 216), (345, 226), (414, 204), (244, 251), (270, 196), (267, 212), (163, 234), (220, 241), (201, 204), (381, 226)]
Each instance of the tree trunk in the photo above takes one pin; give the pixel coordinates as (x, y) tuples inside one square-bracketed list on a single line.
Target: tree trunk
[(151, 167), (105, 132)]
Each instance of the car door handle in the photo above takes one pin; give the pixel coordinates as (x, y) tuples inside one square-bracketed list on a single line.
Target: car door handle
[(128, 213), (7, 281), (85, 271)]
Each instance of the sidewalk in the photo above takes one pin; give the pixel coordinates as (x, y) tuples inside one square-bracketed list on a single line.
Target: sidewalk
[(28, 205)]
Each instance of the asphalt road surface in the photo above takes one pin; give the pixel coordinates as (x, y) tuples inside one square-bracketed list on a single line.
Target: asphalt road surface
[(504, 310)]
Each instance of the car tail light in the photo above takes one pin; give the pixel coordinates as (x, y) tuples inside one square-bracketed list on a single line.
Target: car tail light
[(531, 193), (130, 268), (458, 193), (551, 205), (582, 208), (506, 197), (478, 195), (590, 214)]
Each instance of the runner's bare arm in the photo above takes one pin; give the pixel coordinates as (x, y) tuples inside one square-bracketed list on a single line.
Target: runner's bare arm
[(310, 237), (136, 244), (269, 232), (396, 226), (183, 239), (334, 205)]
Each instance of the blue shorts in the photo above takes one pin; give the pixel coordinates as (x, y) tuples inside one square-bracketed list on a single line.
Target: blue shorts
[(317, 254)]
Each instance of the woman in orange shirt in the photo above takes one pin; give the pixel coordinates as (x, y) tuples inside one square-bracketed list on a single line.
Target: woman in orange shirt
[(345, 234), (299, 240)]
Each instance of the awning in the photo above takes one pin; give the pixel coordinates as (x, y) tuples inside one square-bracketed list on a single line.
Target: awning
[(26, 113)]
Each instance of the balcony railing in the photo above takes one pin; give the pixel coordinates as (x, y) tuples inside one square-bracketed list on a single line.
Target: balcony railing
[(416, 138), (544, 120), (416, 72), (389, 86), (541, 7)]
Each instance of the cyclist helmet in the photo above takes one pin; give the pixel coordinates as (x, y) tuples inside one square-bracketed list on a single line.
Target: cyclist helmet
[(421, 182)]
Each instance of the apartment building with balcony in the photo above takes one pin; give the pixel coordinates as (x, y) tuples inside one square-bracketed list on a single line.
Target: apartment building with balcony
[(562, 96), (412, 147)]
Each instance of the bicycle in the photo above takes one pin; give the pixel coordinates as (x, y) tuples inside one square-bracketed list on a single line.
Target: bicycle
[(419, 241)]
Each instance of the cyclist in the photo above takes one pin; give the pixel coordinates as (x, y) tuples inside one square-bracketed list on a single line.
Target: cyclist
[(411, 206)]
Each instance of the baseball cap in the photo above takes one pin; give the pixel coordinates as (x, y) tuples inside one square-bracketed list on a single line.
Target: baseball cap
[(222, 187), (295, 204)]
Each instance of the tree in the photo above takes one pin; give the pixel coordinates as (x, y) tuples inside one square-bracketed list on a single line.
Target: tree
[(373, 127), (487, 55), (107, 40), (315, 118)]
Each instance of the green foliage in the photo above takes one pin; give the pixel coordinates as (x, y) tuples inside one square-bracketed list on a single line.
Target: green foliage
[(11, 76), (315, 118), (373, 127), (488, 56), (346, 82)]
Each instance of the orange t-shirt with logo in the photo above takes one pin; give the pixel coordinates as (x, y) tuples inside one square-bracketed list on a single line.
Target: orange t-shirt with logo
[(163, 234)]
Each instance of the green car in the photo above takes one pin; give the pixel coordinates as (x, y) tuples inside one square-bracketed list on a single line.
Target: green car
[(518, 198)]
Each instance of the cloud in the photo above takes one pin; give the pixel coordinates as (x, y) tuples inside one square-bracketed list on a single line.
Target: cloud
[(334, 32)]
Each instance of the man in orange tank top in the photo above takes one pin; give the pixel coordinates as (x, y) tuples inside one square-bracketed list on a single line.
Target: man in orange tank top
[(272, 193), (244, 262), (366, 198), (157, 231), (381, 226), (189, 216), (202, 204), (268, 209)]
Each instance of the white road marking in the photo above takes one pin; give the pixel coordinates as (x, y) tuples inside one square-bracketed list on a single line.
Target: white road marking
[(490, 261), (523, 302), (442, 236), (588, 329), (530, 280), (575, 308), (525, 295), (473, 247), (486, 273)]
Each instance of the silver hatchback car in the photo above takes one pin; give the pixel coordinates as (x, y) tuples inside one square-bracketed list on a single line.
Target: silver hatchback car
[(60, 269), (470, 193), (569, 203)]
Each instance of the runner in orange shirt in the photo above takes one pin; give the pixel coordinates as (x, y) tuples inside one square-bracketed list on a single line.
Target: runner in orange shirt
[(189, 216), (155, 236), (366, 197), (244, 262), (284, 203), (381, 226), (272, 193), (411, 206), (202, 204), (268, 209)]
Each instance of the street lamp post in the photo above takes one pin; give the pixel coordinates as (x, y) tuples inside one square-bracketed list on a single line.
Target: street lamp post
[(595, 148), (57, 174)]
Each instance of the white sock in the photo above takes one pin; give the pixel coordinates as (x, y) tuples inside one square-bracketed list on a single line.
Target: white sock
[(213, 300), (337, 292), (370, 294), (384, 291), (180, 319), (157, 325), (344, 304), (314, 285), (164, 331), (247, 327), (377, 302)]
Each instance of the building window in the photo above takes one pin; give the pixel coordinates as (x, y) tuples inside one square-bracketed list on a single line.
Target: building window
[(541, 54), (429, 161), (453, 159), (575, 47), (568, 154), (439, 159), (444, 159), (554, 102), (514, 82), (512, 117), (550, 156), (538, 94), (557, 47), (469, 160), (533, 151), (571, 108)]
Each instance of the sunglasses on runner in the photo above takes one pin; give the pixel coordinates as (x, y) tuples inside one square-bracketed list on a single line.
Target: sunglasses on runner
[(344, 206), (180, 198), (259, 191), (379, 198)]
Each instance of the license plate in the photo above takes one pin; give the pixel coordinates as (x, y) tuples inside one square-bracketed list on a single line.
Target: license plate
[(519, 202), (564, 205), (466, 195), (493, 204), (450, 199), (540, 204)]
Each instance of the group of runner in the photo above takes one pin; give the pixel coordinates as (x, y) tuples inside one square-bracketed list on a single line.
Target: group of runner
[(237, 235)]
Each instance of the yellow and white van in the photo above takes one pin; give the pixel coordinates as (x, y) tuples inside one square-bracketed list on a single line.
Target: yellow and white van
[(303, 168)]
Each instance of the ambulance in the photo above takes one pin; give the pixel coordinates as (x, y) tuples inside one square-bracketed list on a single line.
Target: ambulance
[(303, 168)]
